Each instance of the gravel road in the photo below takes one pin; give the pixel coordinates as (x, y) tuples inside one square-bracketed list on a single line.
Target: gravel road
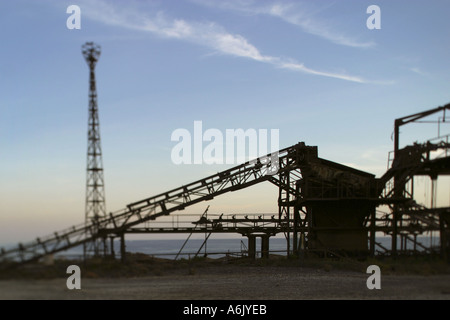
[(236, 283)]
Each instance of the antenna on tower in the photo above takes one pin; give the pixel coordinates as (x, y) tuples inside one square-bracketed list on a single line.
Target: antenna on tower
[(95, 185)]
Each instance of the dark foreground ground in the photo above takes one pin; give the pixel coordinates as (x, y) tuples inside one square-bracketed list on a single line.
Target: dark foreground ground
[(277, 279)]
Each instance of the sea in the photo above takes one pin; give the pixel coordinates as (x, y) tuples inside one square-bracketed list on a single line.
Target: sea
[(213, 248), (182, 249)]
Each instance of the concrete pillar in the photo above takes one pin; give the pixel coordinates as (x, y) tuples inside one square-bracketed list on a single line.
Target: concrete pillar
[(122, 247), (113, 254), (301, 250), (265, 246), (251, 246)]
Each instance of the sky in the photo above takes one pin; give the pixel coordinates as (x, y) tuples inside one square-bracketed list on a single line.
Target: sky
[(311, 69)]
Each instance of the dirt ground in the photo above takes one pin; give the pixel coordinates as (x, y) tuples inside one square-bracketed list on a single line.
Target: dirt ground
[(234, 282)]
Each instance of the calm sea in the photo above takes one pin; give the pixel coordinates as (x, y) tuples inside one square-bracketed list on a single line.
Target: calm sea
[(214, 248), (169, 249)]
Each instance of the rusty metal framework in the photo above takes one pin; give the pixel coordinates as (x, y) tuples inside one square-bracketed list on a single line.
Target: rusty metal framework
[(407, 219), (323, 207)]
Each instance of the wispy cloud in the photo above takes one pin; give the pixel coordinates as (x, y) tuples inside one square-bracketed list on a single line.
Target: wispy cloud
[(293, 13), (302, 68), (419, 72), (207, 34)]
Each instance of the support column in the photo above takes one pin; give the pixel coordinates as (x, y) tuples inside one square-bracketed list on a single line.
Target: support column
[(265, 246), (251, 246), (295, 235), (122, 247), (113, 254), (372, 232), (301, 251), (415, 243)]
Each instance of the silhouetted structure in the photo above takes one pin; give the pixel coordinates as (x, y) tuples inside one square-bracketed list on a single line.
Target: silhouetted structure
[(95, 192), (409, 219), (326, 207)]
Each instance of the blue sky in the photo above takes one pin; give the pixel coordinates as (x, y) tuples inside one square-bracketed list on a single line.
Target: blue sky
[(311, 69)]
